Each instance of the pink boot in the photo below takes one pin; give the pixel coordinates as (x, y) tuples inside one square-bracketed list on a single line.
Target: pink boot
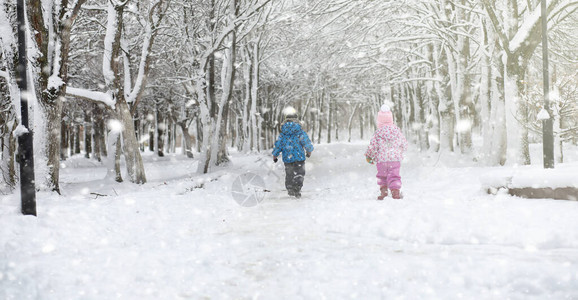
[(383, 190), (396, 194)]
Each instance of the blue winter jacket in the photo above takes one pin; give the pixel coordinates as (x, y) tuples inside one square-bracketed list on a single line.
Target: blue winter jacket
[(291, 142)]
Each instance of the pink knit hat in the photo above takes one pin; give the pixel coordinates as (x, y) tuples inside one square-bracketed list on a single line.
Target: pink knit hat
[(384, 116)]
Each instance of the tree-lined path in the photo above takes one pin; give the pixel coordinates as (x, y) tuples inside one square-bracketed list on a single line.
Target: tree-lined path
[(113, 78), (147, 113)]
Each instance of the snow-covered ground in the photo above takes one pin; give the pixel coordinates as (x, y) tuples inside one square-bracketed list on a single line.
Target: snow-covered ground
[(183, 236)]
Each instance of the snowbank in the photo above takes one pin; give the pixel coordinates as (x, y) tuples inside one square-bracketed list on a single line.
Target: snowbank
[(182, 236)]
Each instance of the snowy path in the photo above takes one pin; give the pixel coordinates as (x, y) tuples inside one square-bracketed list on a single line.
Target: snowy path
[(172, 239)]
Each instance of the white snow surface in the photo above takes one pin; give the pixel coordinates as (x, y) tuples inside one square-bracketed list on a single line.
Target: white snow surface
[(182, 235)]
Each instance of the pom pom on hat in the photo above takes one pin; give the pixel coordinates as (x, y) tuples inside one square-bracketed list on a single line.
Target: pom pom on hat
[(385, 107)]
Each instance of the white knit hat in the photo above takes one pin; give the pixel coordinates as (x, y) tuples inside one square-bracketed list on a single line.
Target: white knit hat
[(290, 114)]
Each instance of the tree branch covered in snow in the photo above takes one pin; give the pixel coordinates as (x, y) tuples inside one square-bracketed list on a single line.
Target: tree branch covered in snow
[(101, 97)]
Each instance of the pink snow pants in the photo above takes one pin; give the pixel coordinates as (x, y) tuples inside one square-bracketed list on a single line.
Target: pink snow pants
[(388, 174)]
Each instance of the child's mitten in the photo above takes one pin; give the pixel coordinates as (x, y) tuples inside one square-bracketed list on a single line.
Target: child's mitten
[(369, 159)]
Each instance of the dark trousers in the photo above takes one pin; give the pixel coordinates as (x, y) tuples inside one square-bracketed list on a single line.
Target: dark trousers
[(294, 175)]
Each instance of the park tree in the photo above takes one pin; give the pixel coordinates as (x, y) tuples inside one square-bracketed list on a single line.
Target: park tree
[(51, 25)]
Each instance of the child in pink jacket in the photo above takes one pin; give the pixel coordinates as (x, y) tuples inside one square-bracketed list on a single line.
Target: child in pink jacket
[(386, 150)]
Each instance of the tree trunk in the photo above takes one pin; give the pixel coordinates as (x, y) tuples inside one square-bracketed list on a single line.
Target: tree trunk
[(199, 129), (51, 29), (98, 137), (559, 123), (87, 135), (433, 89), (209, 107), (329, 118), (254, 95), (516, 112), (498, 113), (466, 110), (99, 148), (361, 123), (133, 159), (246, 120), (52, 114), (160, 134), (336, 125), (152, 135), (169, 134), (227, 83), (114, 81), (64, 140), (174, 136), (117, 153), (209, 121), (319, 115), (314, 117), (446, 106), (76, 130), (485, 93), (187, 137), (10, 166), (138, 128), (409, 94), (8, 124), (350, 123), (233, 126), (424, 132)]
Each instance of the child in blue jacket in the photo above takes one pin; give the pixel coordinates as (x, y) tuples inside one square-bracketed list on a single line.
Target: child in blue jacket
[(295, 145)]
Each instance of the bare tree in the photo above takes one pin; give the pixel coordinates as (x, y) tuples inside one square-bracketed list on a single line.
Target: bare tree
[(51, 26), (519, 35), (9, 92)]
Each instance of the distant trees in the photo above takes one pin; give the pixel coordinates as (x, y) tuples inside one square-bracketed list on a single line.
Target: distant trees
[(451, 68), (519, 35), (212, 30), (125, 77), (115, 78)]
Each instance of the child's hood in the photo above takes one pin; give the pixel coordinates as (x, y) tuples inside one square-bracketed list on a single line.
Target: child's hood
[(388, 132), (291, 128)]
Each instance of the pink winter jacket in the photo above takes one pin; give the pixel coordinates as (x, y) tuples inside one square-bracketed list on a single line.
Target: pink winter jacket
[(387, 144)]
